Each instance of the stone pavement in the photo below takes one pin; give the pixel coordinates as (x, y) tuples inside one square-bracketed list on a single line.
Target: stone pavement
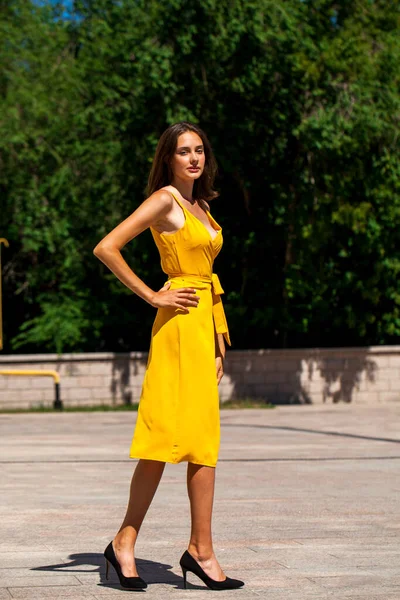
[(307, 505)]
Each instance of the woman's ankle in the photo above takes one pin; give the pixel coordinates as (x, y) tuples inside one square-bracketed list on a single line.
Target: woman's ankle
[(125, 539), (200, 551)]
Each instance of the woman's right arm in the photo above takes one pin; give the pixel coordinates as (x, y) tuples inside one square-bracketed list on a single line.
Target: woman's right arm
[(108, 250)]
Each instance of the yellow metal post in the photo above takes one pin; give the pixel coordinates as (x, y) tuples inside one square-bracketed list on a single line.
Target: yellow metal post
[(5, 242)]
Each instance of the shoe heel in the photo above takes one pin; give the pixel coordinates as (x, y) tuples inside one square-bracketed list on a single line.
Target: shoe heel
[(126, 582), (184, 577), (188, 563)]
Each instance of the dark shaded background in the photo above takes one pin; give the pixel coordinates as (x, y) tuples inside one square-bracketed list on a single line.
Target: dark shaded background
[(301, 103)]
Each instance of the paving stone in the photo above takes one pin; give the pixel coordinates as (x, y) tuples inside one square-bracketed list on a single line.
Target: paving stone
[(25, 559), (55, 593), (22, 546), (12, 580), (384, 595), (352, 584), (199, 594), (23, 573), (306, 506)]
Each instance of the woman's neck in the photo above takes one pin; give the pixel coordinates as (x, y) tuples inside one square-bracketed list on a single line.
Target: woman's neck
[(185, 188)]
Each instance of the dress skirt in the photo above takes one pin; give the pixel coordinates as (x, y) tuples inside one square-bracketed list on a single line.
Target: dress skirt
[(178, 416)]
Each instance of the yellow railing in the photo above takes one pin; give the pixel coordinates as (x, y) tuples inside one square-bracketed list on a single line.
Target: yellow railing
[(57, 404)]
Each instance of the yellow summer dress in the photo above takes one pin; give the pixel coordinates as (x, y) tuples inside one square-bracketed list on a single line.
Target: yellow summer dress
[(178, 416)]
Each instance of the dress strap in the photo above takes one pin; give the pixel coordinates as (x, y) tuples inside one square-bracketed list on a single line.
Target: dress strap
[(178, 201)]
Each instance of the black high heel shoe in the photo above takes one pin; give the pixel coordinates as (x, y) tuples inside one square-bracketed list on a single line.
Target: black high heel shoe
[(126, 582), (188, 563)]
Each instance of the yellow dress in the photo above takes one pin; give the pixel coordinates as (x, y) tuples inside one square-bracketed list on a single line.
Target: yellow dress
[(178, 416)]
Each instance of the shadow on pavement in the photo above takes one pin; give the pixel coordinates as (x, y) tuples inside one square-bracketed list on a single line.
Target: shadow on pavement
[(152, 572), (318, 431)]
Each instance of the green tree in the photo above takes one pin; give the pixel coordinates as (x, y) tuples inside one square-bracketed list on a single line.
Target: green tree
[(301, 103)]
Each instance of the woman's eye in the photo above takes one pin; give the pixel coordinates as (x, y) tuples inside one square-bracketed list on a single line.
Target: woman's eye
[(182, 152)]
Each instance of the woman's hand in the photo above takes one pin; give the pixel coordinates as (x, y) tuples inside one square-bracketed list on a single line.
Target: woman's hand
[(181, 298), (219, 363)]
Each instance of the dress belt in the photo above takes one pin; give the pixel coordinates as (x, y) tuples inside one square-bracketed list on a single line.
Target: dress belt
[(221, 325)]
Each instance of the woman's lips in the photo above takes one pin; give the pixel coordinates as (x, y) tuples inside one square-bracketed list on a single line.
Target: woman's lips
[(193, 169)]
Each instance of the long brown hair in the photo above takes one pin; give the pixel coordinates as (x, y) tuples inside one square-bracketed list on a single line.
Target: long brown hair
[(161, 174)]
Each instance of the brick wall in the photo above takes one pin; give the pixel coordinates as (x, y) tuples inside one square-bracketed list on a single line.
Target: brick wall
[(367, 375), (313, 376)]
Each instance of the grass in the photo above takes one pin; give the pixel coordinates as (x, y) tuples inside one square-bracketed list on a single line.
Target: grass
[(237, 403), (50, 409), (247, 403)]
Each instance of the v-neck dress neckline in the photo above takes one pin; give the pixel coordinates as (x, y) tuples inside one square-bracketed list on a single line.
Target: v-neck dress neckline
[(209, 217)]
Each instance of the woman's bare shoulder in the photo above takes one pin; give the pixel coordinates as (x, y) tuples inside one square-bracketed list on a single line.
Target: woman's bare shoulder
[(162, 197), (158, 205)]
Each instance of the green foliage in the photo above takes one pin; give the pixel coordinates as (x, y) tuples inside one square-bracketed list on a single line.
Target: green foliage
[(301, 103), (60, 324)]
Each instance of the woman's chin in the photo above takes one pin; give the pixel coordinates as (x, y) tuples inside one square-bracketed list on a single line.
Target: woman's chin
[(192, 176)]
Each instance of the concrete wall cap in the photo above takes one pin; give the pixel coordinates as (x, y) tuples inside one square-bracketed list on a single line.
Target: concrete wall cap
[(73, 357)]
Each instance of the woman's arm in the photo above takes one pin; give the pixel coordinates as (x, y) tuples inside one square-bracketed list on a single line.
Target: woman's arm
[(219, 354), (108, 250)]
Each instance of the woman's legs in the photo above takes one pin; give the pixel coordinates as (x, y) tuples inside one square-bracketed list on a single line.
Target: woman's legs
[(145, 480), (201, 484)]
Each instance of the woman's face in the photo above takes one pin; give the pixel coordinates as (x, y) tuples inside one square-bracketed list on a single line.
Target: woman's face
[(189, 159)]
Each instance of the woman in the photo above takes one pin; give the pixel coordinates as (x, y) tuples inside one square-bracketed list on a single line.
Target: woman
[(178, 416)]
